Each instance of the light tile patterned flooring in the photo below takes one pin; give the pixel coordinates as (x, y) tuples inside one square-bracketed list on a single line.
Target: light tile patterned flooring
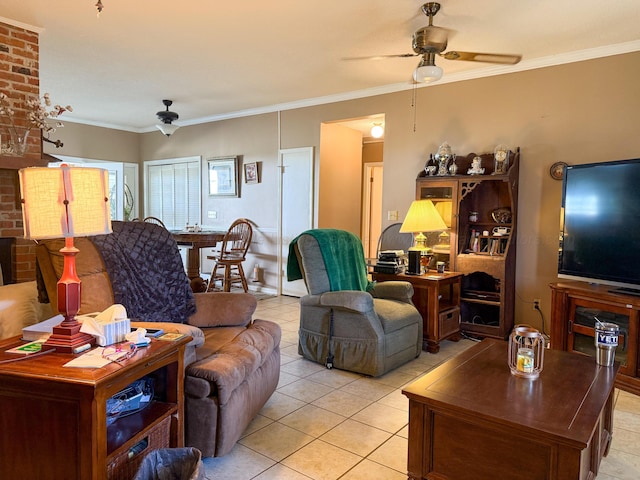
[(330, 424)]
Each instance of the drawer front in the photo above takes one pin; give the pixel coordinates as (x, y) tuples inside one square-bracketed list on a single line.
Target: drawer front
[(449, 322)]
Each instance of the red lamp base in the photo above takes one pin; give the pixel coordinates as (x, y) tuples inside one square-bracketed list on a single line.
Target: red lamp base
[(67, 336)]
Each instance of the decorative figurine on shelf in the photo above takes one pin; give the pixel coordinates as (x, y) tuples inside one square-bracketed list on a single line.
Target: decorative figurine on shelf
[(442, 158), (500, 160), (476, 167), (430, 166), (453, 168)]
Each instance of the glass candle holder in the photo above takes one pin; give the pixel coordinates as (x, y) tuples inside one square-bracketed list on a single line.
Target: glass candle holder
[(526, 351)]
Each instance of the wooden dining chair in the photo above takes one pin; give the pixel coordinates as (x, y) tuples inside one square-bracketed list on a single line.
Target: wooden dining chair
[(228, 267), (155, 220)]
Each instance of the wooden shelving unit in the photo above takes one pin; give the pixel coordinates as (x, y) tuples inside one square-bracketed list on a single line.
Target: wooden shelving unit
[(467, 203)]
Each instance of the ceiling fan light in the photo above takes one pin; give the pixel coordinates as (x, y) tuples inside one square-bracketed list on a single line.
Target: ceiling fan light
[(167, 128), (166, 117), (427, 73), (377, 131)]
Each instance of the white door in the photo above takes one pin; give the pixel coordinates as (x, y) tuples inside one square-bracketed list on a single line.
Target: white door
[(372, 208), (296, 208)]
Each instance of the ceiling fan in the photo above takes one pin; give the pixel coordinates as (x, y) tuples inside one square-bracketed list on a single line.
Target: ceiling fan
[(430, 41)]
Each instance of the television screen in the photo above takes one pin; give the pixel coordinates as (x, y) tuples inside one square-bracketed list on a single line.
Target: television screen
[(600, 232)]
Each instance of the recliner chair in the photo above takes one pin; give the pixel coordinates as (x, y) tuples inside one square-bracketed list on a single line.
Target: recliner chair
[(365, 328)]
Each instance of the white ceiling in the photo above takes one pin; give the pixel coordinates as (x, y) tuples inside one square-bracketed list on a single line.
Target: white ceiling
[(220, 59)]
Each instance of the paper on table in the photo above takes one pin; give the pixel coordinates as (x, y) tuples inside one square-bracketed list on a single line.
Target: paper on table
[(91, 359)]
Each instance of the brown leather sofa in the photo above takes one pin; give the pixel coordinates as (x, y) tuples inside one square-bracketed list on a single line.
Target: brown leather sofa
[(232, 363)]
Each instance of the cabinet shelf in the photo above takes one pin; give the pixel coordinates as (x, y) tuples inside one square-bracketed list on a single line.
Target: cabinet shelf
[(480, 301)]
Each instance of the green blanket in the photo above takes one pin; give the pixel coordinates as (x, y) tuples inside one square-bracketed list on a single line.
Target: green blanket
[(343, 258)]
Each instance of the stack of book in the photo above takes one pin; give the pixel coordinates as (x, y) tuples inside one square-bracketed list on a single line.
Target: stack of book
[(389, 261)]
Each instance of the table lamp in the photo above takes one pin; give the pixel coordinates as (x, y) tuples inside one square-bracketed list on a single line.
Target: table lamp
[(65, 202), (421, 217)]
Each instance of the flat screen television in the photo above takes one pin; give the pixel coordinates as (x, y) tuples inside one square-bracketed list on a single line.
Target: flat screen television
[(600, 227)]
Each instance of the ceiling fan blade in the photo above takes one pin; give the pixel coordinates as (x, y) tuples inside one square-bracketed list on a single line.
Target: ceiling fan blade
[(483, 57), (380, 57)]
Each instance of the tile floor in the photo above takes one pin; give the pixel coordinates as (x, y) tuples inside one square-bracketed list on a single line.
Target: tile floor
[(329, 424)]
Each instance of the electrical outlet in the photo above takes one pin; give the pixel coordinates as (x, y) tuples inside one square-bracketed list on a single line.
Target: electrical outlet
[(536, 303), (392, 215)]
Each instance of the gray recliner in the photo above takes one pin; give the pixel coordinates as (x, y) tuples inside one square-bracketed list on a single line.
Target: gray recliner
[(369, 332)]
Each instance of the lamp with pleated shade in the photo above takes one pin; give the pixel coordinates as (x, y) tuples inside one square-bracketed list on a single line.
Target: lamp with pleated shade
[(422, 217)]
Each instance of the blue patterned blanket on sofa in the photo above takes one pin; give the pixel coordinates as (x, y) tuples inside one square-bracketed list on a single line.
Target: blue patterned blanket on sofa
[(146, 272)]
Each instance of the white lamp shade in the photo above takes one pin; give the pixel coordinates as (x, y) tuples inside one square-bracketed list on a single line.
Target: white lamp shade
[(422, 217), (427, 74), (64, 202), (167, 128)]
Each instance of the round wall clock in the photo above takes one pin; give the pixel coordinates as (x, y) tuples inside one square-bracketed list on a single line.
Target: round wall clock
[(557, 170)]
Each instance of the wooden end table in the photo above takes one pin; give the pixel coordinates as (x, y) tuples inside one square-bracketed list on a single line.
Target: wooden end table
[(471, 418), (437, 298), (55, 417)]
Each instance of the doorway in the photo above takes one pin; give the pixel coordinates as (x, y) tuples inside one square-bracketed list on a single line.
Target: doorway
[(350, 178)]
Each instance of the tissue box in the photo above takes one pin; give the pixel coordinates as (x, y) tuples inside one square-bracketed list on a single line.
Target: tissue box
[(115, 331)]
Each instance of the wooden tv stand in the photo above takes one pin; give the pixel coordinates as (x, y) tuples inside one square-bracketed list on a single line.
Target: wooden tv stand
[(55, 421), (574, 306)]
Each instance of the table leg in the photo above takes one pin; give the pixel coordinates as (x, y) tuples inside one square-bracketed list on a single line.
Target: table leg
[(193, 262)]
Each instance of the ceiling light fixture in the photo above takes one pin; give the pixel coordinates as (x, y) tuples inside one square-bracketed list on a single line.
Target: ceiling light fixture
[(99, 7), (377, 131), (166, 117), (427, 70)]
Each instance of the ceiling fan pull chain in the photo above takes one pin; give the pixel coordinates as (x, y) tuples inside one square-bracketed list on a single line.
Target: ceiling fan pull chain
[(414, 105)]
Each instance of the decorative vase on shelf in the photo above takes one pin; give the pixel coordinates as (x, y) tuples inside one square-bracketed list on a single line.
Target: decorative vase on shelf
[(453, 168), (14, 144)]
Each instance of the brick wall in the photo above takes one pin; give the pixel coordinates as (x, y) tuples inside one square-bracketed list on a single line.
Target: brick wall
[(19, 80)]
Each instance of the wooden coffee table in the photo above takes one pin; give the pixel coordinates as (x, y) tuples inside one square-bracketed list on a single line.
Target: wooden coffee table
[(471, 418)]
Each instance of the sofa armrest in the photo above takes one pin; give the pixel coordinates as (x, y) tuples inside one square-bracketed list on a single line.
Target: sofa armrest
[(347, 299), (223, 309), (393, 290), (197, 335), (227, 367)]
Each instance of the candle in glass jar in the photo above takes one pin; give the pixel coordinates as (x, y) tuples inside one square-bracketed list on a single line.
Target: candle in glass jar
[(525, 360)]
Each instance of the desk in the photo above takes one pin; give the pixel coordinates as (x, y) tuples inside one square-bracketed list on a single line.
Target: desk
[(195, 241), (437, 298), (471, 418), (55, 417)]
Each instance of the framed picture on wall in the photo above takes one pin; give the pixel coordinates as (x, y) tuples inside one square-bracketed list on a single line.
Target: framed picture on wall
[(251, 172), (223, 176)]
